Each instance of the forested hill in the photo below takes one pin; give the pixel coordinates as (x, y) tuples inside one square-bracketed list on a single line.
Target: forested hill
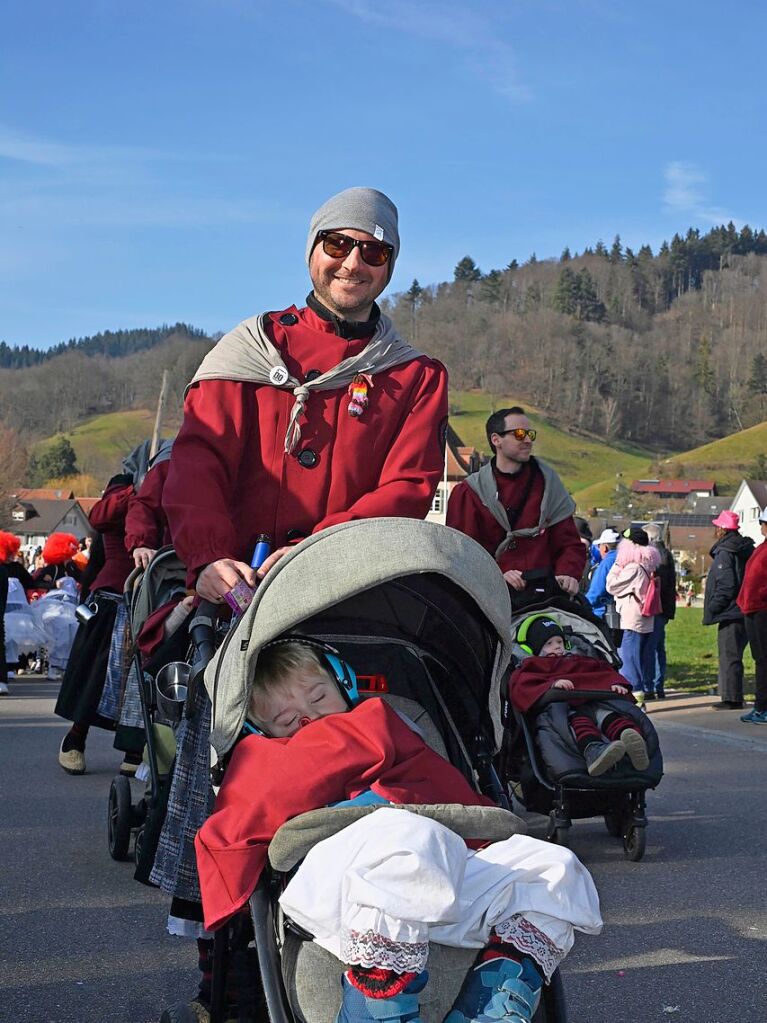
[(665, 349), (112, 343), (59, 393)]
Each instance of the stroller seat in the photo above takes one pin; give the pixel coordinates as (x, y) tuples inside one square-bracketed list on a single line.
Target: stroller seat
[(420, 717)]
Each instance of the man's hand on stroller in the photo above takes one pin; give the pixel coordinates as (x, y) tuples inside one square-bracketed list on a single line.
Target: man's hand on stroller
[(514, 579), (272, 560), (220, 577), (142, 556), (567, 584)]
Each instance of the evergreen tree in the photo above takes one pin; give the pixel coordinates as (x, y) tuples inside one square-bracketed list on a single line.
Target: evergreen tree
[(565, 257), (467, 270), (616, 252), (757, 382), (413, 295), (490, 289)]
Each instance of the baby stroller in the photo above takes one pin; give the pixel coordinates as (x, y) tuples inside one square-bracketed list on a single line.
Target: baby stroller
[(162, 683), (423, 614), (541, 763)]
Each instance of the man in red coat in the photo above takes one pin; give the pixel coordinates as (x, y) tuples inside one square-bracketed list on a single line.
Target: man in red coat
[(517, 507), (307, 417)]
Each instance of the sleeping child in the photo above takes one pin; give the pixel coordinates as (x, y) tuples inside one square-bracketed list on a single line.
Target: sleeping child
[(377, 892)]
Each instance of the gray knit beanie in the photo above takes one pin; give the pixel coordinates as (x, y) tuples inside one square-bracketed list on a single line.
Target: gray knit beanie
[(359, 209)]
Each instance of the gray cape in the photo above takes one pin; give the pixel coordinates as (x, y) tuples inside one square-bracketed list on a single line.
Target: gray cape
[(556, 503)]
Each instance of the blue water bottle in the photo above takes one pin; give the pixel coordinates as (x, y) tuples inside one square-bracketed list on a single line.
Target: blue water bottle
[(262, 550)]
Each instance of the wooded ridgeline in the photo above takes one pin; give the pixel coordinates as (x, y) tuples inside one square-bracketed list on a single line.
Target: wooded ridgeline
[(666, 349)]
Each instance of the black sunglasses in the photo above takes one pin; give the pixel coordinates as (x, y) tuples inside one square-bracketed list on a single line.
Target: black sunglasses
[(338, 246), (519, 433)]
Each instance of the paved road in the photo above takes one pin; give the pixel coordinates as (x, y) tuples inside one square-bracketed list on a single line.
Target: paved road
[(686, 928)]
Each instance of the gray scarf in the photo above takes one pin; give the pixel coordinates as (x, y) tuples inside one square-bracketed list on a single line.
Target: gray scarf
[(246, 354), (556, 503)]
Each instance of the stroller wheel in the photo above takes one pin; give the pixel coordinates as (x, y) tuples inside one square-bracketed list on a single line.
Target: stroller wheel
[(557, 832), (119, 818), (634, 843), (138, 845), (614, 825)]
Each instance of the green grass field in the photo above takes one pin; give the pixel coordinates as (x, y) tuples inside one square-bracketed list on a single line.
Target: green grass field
[(727, 460), (691, 654), (102, 442)]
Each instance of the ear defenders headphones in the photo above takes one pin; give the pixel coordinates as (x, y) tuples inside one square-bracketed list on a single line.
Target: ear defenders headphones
[(525, 628), (339, 670)]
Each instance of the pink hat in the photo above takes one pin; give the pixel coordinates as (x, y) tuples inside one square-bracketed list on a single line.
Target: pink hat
[(727, 520)]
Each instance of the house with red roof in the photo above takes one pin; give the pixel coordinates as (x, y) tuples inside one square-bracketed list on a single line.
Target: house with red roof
[(675, 488)]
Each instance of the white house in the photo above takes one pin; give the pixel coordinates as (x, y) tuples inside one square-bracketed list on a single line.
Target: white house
[(460, 460), (749, 501)]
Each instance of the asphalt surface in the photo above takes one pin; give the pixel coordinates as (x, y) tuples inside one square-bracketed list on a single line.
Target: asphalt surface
[(685, 935)]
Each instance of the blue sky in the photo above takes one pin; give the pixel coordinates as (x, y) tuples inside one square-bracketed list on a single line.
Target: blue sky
[(160, 161)]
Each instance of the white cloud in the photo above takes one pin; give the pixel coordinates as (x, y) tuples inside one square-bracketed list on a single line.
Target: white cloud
[(22, 148), (687, 192), (454, 25), (87, 185), (133, 211)]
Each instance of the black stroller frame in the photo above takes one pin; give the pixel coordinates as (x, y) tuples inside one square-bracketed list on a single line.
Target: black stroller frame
[(125, 818)]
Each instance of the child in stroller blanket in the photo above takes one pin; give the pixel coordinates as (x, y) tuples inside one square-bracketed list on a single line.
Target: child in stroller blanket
[(603, 736), (378, 891)]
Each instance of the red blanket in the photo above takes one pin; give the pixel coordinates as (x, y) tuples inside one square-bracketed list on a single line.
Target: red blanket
[(269, 781), (536, 675)]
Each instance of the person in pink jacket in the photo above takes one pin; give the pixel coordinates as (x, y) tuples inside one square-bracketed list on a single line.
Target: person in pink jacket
[(628, 582)]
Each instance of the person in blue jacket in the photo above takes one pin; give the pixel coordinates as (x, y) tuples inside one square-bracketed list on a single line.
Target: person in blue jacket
[(597, 595)]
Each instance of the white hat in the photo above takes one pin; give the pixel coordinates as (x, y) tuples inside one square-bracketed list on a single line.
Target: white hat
[(607, 536), (763, 515)]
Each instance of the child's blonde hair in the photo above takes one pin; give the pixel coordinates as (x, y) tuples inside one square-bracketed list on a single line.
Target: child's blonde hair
[(277, 665)]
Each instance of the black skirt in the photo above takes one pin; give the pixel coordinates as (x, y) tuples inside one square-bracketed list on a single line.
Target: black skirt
[(86, 670)]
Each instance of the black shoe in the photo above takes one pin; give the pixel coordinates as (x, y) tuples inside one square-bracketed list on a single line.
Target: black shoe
[(728, 705), (649, 695)]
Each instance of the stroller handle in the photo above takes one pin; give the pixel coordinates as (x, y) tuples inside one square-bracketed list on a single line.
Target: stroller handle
[(202, 632)]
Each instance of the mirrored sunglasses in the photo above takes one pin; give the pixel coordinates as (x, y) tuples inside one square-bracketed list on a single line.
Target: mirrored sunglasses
[(519, 433)]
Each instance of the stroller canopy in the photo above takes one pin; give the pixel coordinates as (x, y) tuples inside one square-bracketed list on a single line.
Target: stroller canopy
[(419, 578)]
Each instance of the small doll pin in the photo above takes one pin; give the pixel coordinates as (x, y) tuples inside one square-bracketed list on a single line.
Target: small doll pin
[(358, 392)]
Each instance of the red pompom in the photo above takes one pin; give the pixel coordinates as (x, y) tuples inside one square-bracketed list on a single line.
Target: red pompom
[(9, 545), (60, 547)]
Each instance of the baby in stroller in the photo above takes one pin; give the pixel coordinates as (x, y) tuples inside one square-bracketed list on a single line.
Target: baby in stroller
[(378, 891), (560, 707), (603, 735)]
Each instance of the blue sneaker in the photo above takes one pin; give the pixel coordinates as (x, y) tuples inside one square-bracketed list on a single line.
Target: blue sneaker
[(755, 717), (495, 991), (357, 1007)]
